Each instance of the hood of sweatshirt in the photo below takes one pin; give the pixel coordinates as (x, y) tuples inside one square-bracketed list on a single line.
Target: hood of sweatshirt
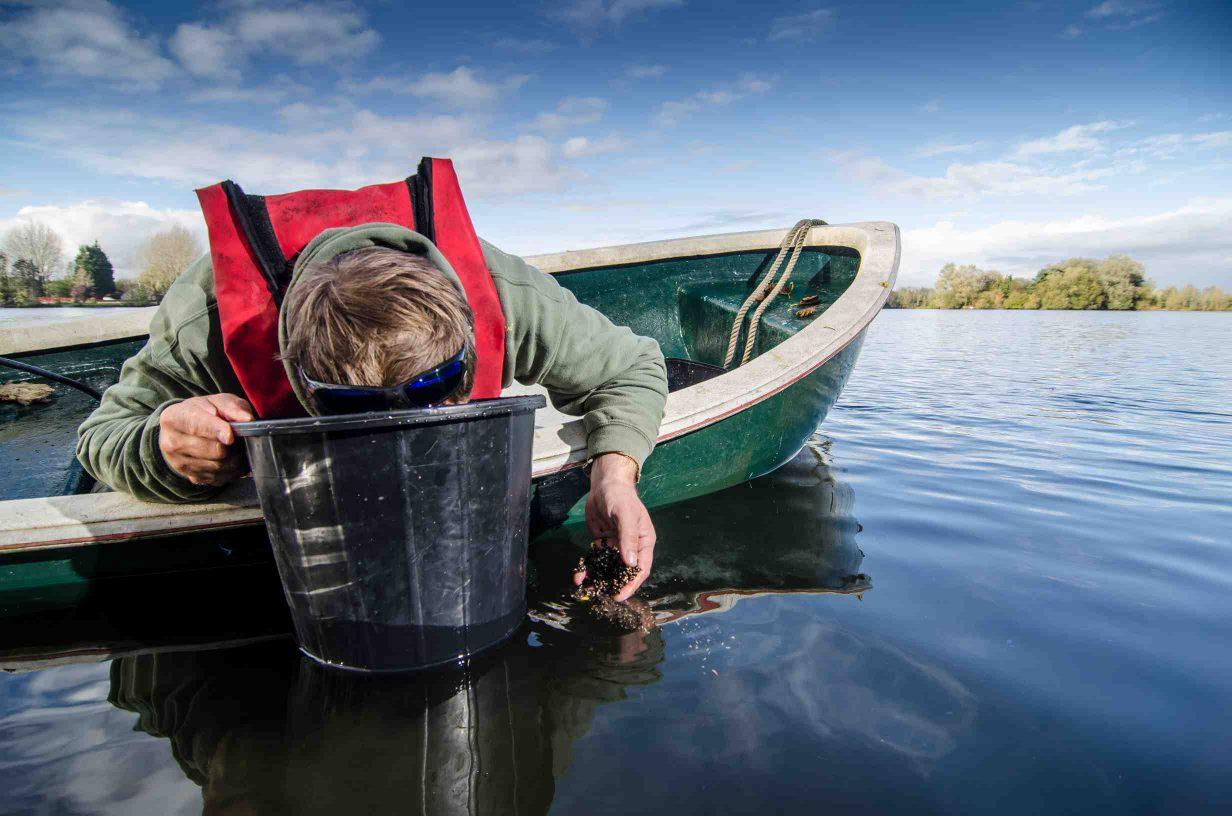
[(334, 242)]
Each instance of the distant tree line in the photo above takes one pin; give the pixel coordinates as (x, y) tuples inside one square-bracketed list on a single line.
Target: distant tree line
[(33, 270), (1116, 283)]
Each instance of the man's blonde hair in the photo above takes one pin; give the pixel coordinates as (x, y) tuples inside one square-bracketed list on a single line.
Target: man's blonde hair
[(376, 317)]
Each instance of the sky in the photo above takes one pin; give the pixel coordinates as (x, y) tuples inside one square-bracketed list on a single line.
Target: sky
[(1008, 135)]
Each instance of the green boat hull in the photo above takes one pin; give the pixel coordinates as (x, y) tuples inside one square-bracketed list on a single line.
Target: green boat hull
[(686, 304)]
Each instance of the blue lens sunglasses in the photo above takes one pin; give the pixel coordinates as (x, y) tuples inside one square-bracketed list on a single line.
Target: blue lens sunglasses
[(430, 387)]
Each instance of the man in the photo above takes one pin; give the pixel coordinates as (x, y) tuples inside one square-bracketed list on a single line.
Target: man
[(376, 305)]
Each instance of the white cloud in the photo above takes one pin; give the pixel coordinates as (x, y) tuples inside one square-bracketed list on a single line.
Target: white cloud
[(1075, 138), (1121, 8), (95, 39), (801, 27), (1192, 243), (977, 179), (572, 112), (946, 148), (460, 88), (580, 147), (335, 147), (673, 112), (529, 47), (1175, 145), (118, 226), (645, 71), (274, 92), (205, 52), (589, 15), (931, 106), (1121, 15), (85, 38), (1071, 32), (310, 34)]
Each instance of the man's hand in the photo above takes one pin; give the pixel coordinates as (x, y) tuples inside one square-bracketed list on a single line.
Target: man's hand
[(197, 441), (615, 514)]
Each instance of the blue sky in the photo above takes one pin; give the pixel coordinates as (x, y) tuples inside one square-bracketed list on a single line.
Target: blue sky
[(1007, 135)]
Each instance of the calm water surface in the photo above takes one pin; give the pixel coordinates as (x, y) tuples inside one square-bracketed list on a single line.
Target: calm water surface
[(999, 579), (16, 318)]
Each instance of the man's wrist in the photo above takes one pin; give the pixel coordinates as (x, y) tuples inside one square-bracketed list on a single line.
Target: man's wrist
[(614, 465)]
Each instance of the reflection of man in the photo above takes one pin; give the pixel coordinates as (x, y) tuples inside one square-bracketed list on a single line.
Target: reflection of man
[(264, 731)]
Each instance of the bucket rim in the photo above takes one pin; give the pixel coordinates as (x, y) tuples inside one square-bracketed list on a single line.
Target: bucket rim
[(375, 420)]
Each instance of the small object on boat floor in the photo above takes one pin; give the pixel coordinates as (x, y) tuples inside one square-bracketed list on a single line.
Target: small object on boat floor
[(809, 300), (26, 393), (787, 290), (807, 311)]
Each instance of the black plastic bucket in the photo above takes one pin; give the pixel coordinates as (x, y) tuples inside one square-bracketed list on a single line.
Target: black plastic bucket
[(400, 536)]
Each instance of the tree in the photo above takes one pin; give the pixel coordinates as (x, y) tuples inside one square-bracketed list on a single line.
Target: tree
[(960, 286), (81, 285), (1124, 281), (40, 248), (58, 287), (910, 297), (163, 256), (92, 268), (6, 282), (1075, 287), (26, 282)]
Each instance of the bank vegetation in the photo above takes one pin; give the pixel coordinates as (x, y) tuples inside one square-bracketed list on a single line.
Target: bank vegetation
[(1116, 283), (35, 269)]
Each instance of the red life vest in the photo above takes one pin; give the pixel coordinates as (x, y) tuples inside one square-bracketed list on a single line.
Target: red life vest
[(254, 241)]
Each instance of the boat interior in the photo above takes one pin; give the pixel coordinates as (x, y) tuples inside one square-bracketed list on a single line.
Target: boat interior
[(688, 304)]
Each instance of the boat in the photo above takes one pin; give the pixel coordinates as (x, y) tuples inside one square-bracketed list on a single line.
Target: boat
[(723, 424)]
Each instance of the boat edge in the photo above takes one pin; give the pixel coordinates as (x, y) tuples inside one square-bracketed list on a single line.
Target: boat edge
[(28, 525)]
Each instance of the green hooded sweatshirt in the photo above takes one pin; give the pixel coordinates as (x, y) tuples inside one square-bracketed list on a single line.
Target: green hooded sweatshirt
[(615, 380)]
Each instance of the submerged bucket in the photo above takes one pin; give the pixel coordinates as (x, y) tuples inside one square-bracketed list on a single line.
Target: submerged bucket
[(400, 536)]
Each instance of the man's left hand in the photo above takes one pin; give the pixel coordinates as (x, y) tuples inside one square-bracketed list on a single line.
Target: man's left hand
[(615, 514)]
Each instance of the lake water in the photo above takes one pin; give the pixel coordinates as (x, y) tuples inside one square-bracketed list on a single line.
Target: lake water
[(1000, 579), (17, 318)]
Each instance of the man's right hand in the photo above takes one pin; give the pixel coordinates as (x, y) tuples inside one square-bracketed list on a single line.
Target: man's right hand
[(197, 441)]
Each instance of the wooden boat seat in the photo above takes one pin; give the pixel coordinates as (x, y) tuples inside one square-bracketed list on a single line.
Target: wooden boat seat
[(707, 311)]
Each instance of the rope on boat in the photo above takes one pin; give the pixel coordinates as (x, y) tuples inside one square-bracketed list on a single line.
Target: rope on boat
[(769, 288)]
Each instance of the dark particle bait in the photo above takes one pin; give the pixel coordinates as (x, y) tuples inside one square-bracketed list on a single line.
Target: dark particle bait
[(606, 573)]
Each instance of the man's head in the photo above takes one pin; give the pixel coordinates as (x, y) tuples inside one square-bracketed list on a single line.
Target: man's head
[(376, 317)]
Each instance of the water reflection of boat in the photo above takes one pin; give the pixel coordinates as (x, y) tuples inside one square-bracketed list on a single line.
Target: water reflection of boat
[(263, 730), (791, 531)]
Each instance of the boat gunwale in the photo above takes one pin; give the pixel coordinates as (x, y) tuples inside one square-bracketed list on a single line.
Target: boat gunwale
[(54, 522)]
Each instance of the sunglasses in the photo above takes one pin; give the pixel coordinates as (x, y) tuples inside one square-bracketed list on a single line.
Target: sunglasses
[(430, 387)]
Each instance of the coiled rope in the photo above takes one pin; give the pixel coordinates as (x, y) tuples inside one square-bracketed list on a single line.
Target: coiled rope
[(769, 288)]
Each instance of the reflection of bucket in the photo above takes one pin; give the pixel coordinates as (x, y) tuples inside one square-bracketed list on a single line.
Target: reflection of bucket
[(400, 536)]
